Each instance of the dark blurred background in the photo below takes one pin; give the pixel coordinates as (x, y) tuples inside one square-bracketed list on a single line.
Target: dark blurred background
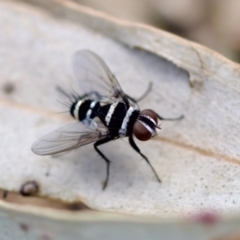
[(212, 23)]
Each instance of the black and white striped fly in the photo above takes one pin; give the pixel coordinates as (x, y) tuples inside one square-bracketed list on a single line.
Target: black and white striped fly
[(104, 113)]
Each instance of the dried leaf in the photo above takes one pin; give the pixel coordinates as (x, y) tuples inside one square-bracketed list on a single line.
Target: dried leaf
[(197, 158)]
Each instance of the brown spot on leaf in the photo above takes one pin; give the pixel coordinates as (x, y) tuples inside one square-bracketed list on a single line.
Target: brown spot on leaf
[(8, 87), (207, 218), (24, 227), (77, 206), (30, 188)]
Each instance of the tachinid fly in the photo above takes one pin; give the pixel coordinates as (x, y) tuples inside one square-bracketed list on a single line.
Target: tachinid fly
[(104, 112)]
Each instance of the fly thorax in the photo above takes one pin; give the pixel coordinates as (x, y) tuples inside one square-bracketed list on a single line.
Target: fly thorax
[(128, 121)]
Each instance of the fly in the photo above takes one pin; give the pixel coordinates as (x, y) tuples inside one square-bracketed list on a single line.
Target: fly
[(104, 113)]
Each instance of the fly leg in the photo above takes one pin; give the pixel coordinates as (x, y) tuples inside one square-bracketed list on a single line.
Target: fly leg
[(169, 119), (135, 147), (143, 96), (98, 143)]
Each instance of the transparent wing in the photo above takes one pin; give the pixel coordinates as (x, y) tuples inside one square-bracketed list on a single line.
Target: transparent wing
[(95, 78), (66, 138)]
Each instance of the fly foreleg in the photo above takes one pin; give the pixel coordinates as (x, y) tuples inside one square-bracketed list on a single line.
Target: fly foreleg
[(135, 147)]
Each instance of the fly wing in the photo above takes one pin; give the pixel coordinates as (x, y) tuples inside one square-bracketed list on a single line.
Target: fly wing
[(95, 78), (66, 138)]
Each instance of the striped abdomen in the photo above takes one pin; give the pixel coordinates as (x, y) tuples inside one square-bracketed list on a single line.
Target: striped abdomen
[(84, 109)]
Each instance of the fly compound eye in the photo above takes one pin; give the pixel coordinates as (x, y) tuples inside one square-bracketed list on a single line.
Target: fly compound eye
[(144, 127)]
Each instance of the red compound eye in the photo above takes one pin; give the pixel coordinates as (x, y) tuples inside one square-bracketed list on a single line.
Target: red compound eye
[(141, 132)]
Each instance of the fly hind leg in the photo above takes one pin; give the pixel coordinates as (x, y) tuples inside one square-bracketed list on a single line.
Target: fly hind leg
[(98, 143)]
